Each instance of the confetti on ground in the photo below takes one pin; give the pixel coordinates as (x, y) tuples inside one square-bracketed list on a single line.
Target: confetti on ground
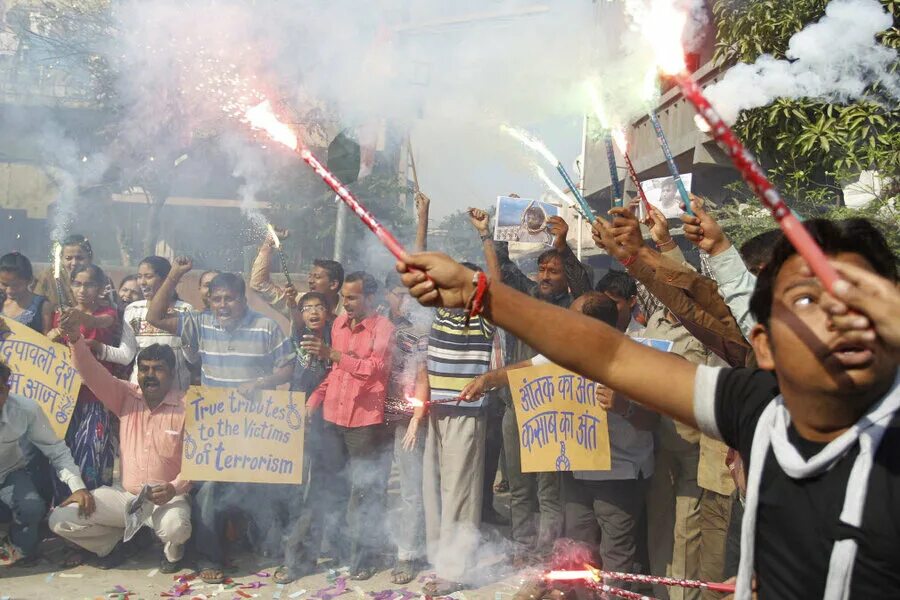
[(263, 574), (296, 594), (72, 575), (252, 586), (49, 577), (152, 572)]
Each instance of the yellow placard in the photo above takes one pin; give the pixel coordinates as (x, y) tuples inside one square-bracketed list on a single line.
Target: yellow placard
[(228, 437), (41, 370), (561, 426)]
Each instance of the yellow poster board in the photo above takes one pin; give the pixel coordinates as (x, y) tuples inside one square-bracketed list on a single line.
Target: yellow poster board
[(41, 370), (228, 437), (561, 425)]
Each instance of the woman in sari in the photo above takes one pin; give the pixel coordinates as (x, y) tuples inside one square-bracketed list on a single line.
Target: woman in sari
[(92, 435)]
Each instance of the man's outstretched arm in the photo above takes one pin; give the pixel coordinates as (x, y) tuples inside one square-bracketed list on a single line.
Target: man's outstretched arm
[(576, 342)]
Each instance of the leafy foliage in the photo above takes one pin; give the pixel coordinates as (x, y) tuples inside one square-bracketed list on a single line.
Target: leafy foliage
[(811, 147)]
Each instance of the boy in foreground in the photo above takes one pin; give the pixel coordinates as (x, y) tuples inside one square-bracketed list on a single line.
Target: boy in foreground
[(817, 422)]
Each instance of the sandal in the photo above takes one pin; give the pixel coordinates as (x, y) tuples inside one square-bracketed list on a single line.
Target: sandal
[(363, 574), (212, 575), (404, 572), (441, 587), (284, 575), (73, 558)]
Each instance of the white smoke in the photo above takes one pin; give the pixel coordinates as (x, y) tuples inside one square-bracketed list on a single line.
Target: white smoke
[(836, 59)]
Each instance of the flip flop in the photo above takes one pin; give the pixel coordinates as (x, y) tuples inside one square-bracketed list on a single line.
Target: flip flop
[(442, 587), (403, 573), (213, 575)]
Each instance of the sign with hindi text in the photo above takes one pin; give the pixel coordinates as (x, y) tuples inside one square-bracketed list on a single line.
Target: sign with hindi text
[(561, 425), (228, 437), (41, 370)]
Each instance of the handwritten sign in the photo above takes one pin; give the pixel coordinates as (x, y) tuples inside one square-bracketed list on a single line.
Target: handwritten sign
[(41, 370), (228, 437), (561, 425)]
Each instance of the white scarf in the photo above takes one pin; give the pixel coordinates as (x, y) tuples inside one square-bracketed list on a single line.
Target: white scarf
[(772, 432)]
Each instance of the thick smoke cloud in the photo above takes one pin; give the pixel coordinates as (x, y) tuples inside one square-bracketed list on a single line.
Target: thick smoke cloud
[(835, 59)]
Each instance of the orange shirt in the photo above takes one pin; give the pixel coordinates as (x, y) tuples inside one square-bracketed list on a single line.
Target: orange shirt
[(149, 441)]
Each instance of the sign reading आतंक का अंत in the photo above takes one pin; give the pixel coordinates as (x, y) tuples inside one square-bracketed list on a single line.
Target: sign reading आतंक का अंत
[(42, 371), (561, 425), (228, 437)]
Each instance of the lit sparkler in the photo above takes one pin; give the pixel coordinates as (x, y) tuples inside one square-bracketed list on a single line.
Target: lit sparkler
[(622, 143), (662, 25), (416, 403), (277, 243), (538, 146), (593, 579), (57, 274), (670, 160), (557, 191), (607, 140), (590, 574), (262, 117)]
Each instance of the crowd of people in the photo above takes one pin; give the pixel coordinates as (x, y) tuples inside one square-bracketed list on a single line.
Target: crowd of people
[(761, 443)]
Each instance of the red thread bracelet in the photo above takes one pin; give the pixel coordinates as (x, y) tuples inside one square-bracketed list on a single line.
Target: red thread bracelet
[(629, 261), (481, 285)]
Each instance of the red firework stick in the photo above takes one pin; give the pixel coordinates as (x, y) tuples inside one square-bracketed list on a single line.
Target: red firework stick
[(386, 237), (758, 182), (637, 183), (263, 117), (671, 581), (592, 574)]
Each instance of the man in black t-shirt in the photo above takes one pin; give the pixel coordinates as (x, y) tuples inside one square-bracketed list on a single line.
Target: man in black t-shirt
[(817, 423)]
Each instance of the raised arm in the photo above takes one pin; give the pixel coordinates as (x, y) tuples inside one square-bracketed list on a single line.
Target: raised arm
[(736, 283), (261, 279), (422, 205), (481, 221), (576, 342), (577, 274), (692, 297), (110, 391), (159, 304)]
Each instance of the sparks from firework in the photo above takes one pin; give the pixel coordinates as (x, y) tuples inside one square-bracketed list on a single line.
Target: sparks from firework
[(554, 189), (262, 117), (57, 273), (538, 146), (531, 142), (662, 25), (597, 105), (416, 403)]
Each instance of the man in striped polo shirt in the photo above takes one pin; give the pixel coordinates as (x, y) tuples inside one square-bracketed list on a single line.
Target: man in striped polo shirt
[(242, 349), (459, 349)]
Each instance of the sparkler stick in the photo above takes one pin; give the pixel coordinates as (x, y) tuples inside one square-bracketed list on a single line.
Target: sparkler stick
[(592, 578), (538, 146), (637, 183), (57, 274), (262, 117), (670, 160), (663, 28), (277, 242), (412, 162), (758, 183), (613, 172), (591, 574)]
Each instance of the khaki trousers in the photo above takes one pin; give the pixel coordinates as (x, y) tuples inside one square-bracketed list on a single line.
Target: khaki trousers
[(453, 471), (100, 532)]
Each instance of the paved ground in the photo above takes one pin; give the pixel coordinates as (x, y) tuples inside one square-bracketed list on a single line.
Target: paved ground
[(46, 581), (139, 576)]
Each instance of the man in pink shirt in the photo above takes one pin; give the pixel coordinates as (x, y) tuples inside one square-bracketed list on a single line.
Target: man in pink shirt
[(352, 401), (151, 418)]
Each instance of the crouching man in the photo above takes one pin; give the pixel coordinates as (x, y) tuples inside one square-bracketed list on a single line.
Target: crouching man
[(21, 419), (151, 420)]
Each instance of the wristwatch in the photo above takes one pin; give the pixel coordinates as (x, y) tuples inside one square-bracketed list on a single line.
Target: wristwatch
[(486, 236)]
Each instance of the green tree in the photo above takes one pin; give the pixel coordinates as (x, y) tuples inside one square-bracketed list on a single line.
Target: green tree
[(809, 147)]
